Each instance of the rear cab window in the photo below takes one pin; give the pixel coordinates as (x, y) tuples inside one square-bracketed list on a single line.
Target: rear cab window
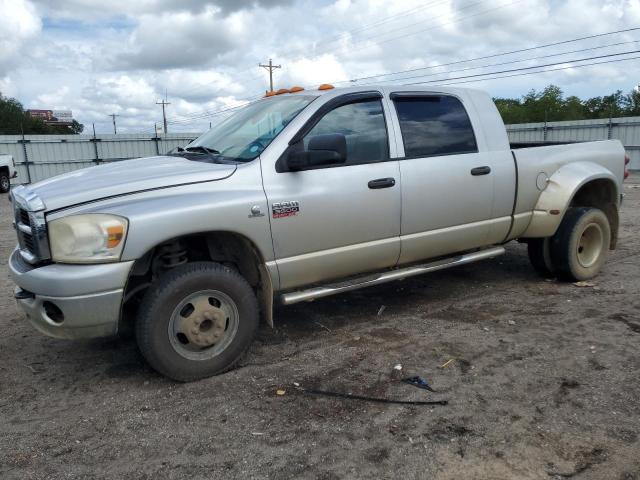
[(434, 125)]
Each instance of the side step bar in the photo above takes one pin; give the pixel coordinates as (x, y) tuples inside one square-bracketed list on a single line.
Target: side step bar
[(377, 279)]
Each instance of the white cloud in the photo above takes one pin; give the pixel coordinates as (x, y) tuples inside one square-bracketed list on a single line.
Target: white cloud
[(18, 24), (120, 56)]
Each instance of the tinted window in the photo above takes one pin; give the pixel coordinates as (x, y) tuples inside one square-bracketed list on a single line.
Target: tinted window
[(363, 126), (435, 125)]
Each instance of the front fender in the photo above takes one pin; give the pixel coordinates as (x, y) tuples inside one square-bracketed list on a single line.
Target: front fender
[(556, 198)]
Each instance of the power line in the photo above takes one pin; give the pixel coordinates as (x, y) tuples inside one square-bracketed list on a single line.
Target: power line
[(209, 115), (436, 27), (514, 61), (569, 67), (526, 68), (192, 118), (485, 57), (388, 19)]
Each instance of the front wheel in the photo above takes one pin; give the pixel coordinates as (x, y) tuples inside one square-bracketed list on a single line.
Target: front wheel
[(579, 247), (196, 321)]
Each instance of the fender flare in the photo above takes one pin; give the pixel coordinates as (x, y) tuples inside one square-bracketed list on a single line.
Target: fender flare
[(556, 198)]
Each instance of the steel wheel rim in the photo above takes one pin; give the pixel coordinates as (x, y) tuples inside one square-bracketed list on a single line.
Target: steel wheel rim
[(4, 181), (203, 325), (590, 245)]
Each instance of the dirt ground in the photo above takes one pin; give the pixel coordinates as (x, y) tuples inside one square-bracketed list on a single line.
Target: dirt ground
[(542, 384)]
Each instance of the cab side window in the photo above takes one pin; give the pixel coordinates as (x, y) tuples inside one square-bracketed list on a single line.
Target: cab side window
[(434, 125), (363, 127)]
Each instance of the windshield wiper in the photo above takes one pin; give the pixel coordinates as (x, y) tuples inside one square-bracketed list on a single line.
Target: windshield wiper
[(200, 148)]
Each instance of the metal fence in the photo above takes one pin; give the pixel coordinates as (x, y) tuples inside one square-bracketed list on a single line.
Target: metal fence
[(39, 157), (626, 129)]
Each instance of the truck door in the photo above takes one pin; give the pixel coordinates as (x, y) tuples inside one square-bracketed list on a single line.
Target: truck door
[(447, 185), (333, 221)]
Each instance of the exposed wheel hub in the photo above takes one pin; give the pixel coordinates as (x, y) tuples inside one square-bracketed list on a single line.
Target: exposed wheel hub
[(590, 245), (204, 327), (203, 324)]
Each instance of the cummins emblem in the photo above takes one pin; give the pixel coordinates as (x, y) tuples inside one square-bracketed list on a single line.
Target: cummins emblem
[(285, 209)]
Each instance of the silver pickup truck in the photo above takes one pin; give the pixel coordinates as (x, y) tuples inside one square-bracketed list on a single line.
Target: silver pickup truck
[(301, 195)]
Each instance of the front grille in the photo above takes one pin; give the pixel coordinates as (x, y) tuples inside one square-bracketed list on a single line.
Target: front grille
[(27, 241), (24, 217), (31, 229)]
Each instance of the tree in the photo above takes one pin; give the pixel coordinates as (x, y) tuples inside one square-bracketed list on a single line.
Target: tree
[(14, 120), (550, 105)]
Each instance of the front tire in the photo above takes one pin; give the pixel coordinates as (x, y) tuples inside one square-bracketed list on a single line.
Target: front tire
[(579, 247), (196, 321), (5, 182)]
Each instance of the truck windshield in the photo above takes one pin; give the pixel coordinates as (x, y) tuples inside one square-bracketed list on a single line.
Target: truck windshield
[(245, 134)]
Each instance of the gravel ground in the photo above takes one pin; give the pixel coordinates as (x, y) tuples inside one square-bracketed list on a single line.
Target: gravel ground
[(542, 382)]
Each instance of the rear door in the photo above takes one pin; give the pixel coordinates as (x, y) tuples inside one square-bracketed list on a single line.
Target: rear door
[(342, 219), (447, 184)]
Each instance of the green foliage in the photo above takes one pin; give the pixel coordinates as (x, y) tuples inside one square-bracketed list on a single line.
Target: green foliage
[(551, 105), (14, 120)]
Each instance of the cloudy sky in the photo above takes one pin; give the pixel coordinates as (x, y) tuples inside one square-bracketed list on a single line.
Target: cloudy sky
[(121, 56)]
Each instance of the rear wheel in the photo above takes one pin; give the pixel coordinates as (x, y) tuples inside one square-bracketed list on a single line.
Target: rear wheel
[(540, 256), (5, 182), (579, 247), (196, 321)]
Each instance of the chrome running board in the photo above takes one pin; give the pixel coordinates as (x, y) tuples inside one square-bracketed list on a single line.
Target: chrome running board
[(378, 278)]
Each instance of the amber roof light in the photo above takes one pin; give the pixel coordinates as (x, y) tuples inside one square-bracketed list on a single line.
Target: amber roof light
[(270, 94), (296, 89), (325, 86), (282, 90)]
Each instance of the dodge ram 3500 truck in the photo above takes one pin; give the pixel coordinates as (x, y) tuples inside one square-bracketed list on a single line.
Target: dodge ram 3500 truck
[(297, 196), (7, 172)]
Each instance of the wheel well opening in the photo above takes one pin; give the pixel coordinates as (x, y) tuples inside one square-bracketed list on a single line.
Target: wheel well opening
[(226, 248), (601, 194)]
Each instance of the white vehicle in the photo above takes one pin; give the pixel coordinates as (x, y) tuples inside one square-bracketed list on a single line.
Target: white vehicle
[(7, 172)]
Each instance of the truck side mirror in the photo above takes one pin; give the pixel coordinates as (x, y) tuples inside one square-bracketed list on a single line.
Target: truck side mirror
[(323, 150)]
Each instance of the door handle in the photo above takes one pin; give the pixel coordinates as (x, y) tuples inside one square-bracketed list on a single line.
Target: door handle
[(382, 183), (480, 171)]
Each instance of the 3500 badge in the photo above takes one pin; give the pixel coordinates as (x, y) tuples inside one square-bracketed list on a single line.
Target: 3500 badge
[(285, 209)]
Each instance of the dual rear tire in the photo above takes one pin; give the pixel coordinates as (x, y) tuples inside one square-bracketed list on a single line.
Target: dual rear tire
[(579, 248)]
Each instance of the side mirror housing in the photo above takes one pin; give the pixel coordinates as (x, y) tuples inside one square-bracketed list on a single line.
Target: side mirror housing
[(323, 150)]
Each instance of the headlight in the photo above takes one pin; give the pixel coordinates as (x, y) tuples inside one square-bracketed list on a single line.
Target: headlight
[(90, 238)]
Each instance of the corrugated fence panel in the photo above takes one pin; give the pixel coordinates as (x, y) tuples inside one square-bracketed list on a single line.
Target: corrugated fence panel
[(50, 155), (42, 171), (626, 129)]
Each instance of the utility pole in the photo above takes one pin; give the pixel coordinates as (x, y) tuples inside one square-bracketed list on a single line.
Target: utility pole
[(113, 117), (164, 114), (271, 67)]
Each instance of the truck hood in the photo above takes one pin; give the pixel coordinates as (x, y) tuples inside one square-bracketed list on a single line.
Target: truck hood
[(125, 177)]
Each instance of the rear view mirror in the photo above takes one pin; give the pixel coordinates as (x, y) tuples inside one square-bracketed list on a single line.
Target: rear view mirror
[(323, 150)]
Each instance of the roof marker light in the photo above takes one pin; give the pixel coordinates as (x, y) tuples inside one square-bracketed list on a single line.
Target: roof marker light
[(296, 89), (282, 90), (325, 86)]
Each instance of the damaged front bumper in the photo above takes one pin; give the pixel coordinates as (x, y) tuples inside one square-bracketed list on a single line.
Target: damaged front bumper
[(70, 301)]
